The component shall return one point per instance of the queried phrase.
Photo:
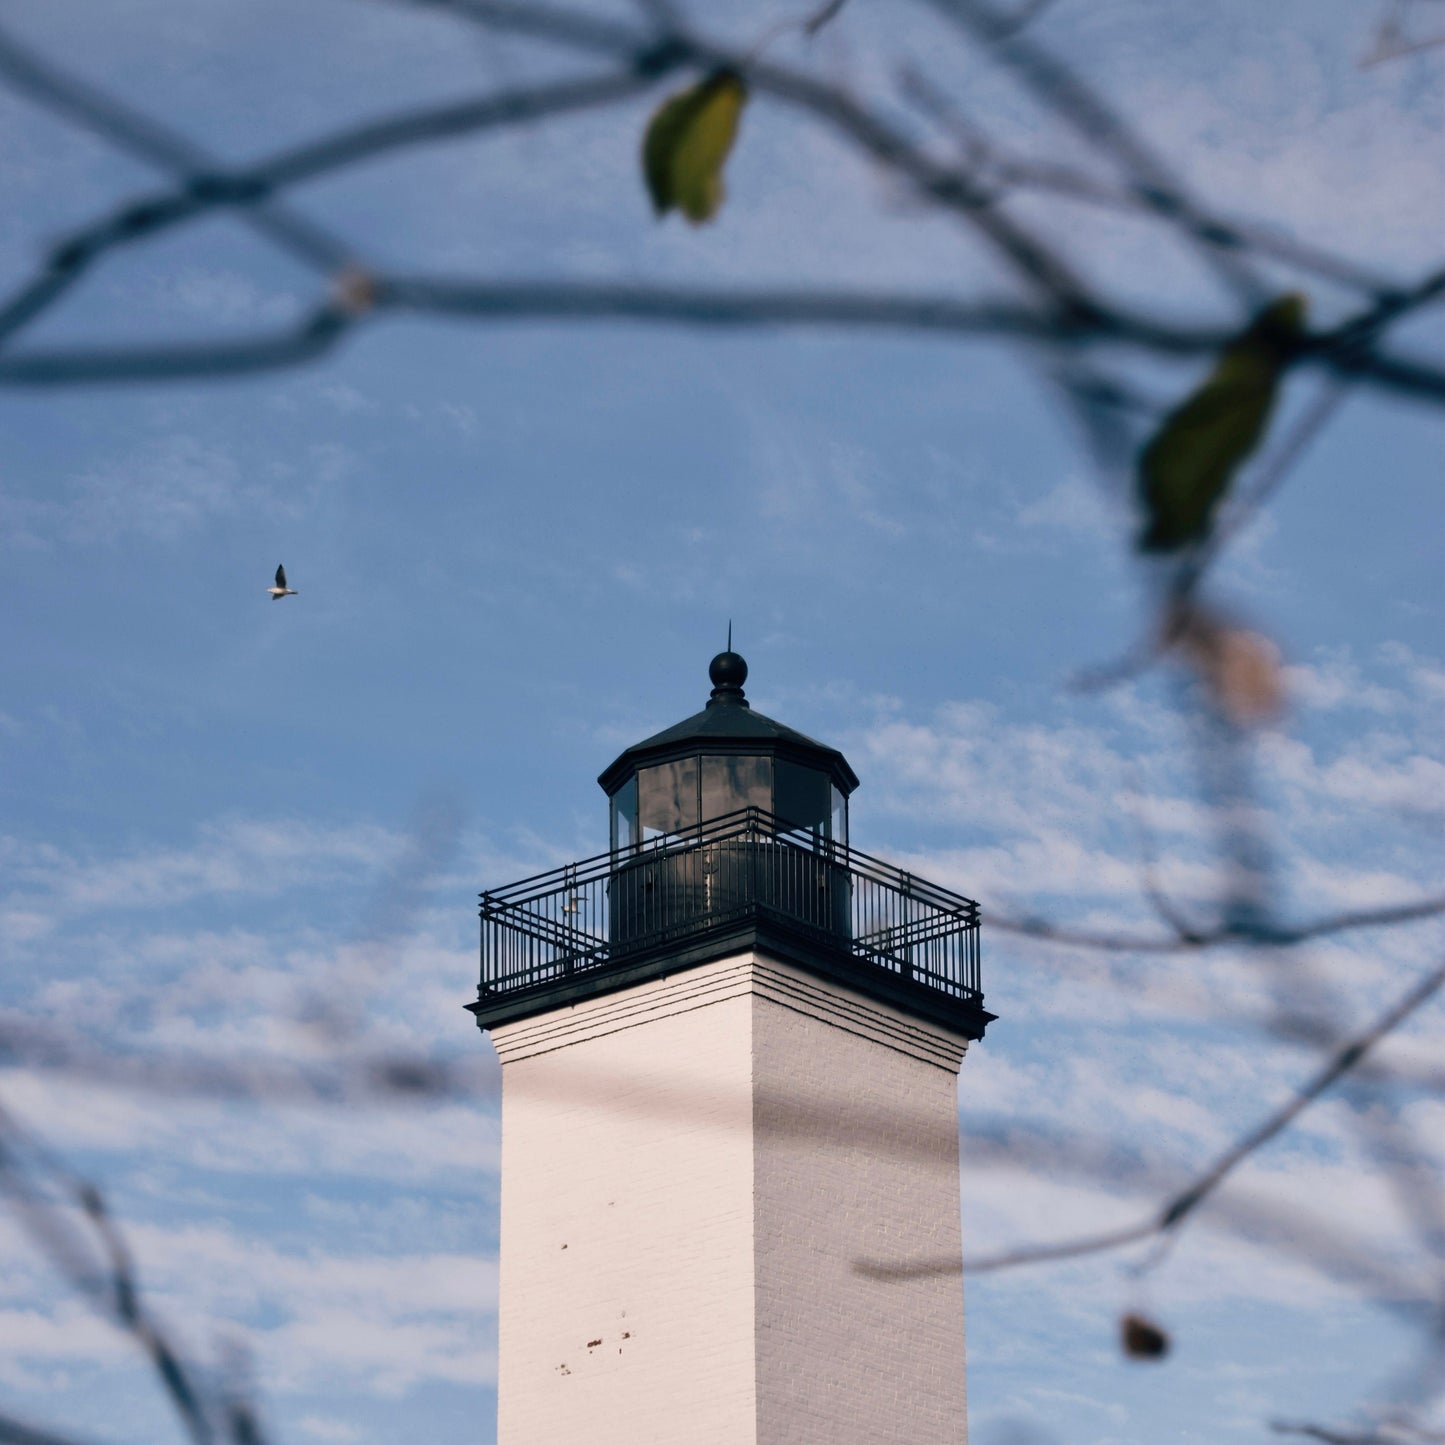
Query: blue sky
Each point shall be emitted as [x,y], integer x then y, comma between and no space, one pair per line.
[516,548]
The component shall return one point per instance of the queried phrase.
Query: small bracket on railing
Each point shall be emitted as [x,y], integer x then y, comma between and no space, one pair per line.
[571,902]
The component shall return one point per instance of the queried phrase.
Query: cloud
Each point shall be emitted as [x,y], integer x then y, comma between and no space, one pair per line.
[304,1227]
[161,493]
[213,295]
[326,1428]
[1163,1056]
[312,1315]
[1075,507]
[237,856]
[1337,682]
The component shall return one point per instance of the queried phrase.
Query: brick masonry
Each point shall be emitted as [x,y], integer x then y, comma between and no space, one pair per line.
[705,1182]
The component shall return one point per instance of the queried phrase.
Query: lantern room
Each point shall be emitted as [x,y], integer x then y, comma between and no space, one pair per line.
[721,761]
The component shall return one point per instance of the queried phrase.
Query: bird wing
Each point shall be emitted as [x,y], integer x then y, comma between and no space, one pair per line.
[280,576]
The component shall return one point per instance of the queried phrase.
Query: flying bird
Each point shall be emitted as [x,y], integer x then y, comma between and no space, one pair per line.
[281,590]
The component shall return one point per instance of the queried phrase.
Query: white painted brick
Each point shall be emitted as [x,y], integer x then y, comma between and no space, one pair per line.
[693,1172]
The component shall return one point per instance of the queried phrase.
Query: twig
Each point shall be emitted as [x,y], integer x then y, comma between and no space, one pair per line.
[1009,172]
[1276,936]
[514,301]
[1172,1215]
[243,189]
[1064,92]
[157,144]
[1398,1435]
[825,14]
[108,1282]
[345,1080]
[14,1432]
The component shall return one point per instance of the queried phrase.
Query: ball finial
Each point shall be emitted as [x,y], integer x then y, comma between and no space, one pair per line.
[728,672]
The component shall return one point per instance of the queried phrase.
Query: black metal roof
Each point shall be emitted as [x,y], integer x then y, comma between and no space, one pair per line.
[728,724]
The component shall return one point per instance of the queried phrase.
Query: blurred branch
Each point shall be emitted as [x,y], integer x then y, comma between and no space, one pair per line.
[1006,172]
[1071,315]
[1175,1211]
[825,14]
[1392,41]
[1023,16]
[158,145]
[13,1432]
[270,1078]
[516,301]
[1273,936]
[1088,115]
[1052,307]
[245,190]
[99,1267]
[1385,1435]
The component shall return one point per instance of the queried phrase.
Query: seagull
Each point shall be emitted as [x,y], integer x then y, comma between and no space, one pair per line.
[281,590]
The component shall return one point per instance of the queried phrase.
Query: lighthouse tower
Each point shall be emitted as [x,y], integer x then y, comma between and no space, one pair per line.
[729,1047]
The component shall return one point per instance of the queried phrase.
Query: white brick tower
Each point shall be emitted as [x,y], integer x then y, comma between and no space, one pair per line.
[729,1126]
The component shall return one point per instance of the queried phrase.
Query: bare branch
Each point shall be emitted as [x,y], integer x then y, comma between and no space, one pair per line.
[1066,322]
[100,1267]
[1178,1209]
[571,29]
[1087,113]
[686,306]
[346,1080]
[1273,937]
[14,1432]
[247,188]
[825,14]
[1011,173]
[1391,40]
[1385,1435]
[1343,1061]
[154,143]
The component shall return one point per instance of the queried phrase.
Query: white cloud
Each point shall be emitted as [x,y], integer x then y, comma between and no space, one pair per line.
[238,856]
[161,493]
[1336,682]
[1073,506]
[393,1321]
[324,1217]
[1162,1059]
[224,296]
[324,1427]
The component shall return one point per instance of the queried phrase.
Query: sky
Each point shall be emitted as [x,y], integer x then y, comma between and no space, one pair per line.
[516,548]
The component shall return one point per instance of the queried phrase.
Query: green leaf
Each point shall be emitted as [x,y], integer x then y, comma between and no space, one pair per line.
[687,144]
[660,143]
[1188,466]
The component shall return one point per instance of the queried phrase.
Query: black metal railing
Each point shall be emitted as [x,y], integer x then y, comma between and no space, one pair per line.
[603,913]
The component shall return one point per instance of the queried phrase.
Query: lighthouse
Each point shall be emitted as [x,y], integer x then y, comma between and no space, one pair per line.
[730,1046]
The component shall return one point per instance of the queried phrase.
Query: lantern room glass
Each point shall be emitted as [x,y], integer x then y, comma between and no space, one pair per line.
[667,798]
[622,808]
[679,795]
[801,797]
[733,782]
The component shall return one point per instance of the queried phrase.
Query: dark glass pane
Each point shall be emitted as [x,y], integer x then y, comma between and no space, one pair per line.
[624,816]
[667,797]
[730,783]
[840,817]
[801,797]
